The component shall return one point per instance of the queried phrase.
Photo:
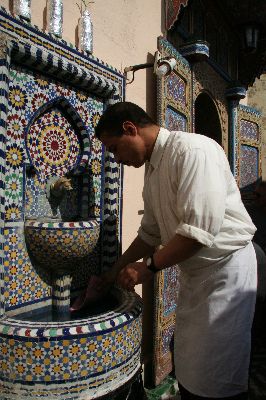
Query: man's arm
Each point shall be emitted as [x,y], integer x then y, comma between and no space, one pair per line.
[178,249]
[137,250]
[98,286]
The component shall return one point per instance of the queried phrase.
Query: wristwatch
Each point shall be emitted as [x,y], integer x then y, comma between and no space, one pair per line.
[150,264]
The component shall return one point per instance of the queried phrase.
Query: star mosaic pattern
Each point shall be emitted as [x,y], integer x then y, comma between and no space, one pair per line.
[170,290]
[176,88]
[22,284]
[58,360]
[63,244]
[249,164]
[89,357]
[249,130]
[53,145]
[174,120]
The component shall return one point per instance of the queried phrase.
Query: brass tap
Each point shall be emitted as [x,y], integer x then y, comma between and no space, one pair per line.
[60,186]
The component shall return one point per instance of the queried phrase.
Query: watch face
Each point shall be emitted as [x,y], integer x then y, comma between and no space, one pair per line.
[149,261]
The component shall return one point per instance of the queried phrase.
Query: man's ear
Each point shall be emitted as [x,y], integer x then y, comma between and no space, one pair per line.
[129,128]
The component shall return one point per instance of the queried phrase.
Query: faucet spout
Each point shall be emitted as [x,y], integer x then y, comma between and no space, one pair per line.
[57,186]
[60,186]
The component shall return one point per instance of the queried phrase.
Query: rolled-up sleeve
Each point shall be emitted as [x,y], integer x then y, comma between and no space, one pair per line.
[200,196]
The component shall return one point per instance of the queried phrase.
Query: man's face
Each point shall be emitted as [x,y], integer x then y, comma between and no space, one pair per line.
[128,149]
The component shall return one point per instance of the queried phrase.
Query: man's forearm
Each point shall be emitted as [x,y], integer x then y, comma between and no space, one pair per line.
[178,249]
[137,250]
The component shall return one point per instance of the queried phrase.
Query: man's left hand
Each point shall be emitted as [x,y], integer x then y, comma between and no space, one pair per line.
[134,274]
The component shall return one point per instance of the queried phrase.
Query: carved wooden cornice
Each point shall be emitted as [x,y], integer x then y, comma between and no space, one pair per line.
[172,11]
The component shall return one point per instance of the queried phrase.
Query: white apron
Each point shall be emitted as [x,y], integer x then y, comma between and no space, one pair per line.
[213,325]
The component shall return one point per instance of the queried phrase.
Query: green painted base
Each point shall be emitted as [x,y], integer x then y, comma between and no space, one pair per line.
[168,389]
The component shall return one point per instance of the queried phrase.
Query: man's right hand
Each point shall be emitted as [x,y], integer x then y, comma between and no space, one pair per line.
[97,288]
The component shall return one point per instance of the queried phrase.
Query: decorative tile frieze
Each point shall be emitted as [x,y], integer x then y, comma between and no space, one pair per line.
[249,166]
[174,91]
[174,112]
[175,121]
[248,130]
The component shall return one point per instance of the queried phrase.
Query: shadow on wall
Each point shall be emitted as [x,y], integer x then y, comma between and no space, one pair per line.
[247,193]
[211,126]
[163,17]
[151,90]
[45,18]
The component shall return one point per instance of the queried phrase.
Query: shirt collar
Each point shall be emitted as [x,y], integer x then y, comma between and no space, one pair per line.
[159,147]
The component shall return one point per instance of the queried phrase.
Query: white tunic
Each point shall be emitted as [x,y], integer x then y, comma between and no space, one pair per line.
[189,190]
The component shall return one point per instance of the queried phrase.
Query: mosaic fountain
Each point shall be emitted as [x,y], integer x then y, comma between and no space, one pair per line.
[60,223]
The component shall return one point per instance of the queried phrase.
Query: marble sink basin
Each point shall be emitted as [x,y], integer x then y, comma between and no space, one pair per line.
[55,244]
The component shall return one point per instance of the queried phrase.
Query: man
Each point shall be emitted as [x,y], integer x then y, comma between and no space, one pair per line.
[192,207]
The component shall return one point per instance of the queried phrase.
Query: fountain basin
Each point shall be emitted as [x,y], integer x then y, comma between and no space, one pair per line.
[79,359]
[62,243]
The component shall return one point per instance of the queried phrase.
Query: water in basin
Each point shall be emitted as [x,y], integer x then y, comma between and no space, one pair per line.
[45,315]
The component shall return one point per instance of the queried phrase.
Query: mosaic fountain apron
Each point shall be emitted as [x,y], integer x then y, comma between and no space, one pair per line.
[60,222]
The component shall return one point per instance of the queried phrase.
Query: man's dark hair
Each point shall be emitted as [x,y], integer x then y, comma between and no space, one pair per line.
[111,122]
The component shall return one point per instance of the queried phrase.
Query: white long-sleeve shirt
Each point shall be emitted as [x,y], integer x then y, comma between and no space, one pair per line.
[189,190]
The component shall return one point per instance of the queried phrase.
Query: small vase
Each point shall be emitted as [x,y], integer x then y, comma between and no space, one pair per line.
[55,17]
[22,9]
[85,30]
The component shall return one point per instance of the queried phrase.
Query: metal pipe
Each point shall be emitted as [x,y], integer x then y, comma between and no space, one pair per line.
[138,66]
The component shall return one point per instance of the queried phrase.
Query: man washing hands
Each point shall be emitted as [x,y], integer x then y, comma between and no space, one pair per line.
[193,208]
[126,272]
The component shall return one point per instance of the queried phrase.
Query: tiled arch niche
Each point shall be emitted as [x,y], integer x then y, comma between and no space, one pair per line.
[58,144]
[57,141]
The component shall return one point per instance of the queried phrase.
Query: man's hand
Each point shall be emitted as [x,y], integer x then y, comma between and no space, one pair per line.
[97,288]
[134,274]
